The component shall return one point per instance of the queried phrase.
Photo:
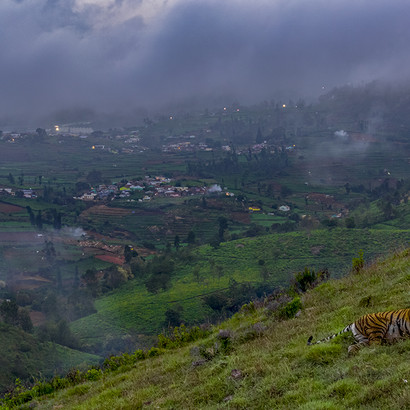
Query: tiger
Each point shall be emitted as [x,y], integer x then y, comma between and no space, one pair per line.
[375,328]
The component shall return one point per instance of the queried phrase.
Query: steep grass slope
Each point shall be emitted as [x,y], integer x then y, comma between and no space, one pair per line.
[259,361]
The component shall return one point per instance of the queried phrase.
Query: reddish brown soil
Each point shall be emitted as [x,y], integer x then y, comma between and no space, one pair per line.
[241,217]
[9,208]
[106,210]
[38,318]
[110,258]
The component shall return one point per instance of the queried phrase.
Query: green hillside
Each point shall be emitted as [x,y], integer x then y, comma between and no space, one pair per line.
[256,360]
[24,356]
[133,309]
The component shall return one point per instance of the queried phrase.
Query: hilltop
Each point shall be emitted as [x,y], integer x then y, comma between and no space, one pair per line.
[259,359]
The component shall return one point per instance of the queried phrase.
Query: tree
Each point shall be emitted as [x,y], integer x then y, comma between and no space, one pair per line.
[223,225]
[11,178]
[94,177]
[176,242]
[41,132]
[350,223]
[127,254]
[215,243]
[57,220]
[91,280]
[158,281]
[191,238]
[114,277]
[39,220]
[216,301]
[387,209]
[81,187]
[24,320]
[9,311]
[173,316]
[31,215]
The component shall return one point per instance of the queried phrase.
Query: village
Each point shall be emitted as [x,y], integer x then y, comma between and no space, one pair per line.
[141,190]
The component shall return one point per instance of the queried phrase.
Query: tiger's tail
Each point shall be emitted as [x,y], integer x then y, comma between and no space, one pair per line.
[346,329]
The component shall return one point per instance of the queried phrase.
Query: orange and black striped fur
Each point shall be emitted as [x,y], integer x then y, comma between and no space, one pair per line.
[375,328]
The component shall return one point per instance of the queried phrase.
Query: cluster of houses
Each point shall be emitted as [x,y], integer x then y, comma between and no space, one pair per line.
[185,146]
[11,137]
[146,189]
[26,193]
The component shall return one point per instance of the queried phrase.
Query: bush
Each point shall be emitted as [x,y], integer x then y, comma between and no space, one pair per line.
[358,263]
[225,338]
[179,336]
[93,374]
[309,279]
[153,352]
[304,280]
[290,309]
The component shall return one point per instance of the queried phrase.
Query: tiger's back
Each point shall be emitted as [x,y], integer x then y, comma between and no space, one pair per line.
[375,328]
[384,326]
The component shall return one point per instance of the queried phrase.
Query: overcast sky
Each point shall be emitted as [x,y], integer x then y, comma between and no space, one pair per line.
[113,55]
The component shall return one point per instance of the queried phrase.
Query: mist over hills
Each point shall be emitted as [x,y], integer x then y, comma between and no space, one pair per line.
[118,57]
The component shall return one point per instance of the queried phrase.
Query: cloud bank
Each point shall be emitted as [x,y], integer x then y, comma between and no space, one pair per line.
[117,55]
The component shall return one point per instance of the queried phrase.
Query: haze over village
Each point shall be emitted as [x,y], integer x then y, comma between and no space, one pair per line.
[204,204]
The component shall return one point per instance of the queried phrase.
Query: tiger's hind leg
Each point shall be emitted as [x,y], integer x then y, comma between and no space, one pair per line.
[353,349]
[361,340]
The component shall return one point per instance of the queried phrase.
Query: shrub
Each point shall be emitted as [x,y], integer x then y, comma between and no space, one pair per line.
[309,279]
[74,376]
[93,374]
[304,280]
[358,263]
[153,352]
[248,308]
[139,354]
[180,335]
[225,338]
[290,309]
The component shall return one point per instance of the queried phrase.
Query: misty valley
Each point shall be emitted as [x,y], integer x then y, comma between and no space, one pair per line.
[112,236]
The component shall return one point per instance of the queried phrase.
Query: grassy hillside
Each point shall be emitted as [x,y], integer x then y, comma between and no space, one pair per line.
[259,361]
[24,356]
[133,309]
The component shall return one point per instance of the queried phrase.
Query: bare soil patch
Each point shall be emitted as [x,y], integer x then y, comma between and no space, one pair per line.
[9,208]
[38,318]
[110,258]
[27,282]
